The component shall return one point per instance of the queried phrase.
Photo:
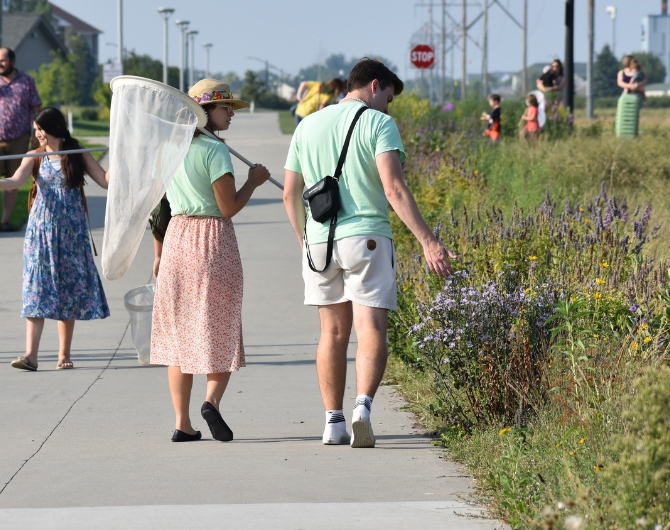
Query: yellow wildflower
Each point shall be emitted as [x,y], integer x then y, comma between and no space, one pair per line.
[581,209]
[572,453]
[647,339]
[527,290]
[604,264]
[532,258]
[572,299]
[582,440]
[600,281]
[644,325]
[587,220]
[634,345]
[597,296]
[598,467]
[505,430]
[609,351]
[559,444]
[595,335]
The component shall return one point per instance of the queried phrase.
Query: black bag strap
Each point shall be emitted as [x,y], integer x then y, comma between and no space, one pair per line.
[336,176]
[345,148]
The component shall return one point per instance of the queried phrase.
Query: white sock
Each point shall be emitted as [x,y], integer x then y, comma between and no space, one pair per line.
[363,400]
[335,416]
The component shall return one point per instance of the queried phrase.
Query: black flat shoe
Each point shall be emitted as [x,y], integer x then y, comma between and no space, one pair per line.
[181,436]
[220,431]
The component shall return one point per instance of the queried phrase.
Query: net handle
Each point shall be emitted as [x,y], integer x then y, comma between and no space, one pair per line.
[240,157]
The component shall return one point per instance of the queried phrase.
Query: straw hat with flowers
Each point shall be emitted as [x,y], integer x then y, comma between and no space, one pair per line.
[211,91]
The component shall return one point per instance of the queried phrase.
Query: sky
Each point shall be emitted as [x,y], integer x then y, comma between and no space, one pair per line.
[291,34]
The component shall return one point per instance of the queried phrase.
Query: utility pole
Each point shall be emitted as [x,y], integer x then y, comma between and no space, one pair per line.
[485,52]
[524,52]
[589,60]
[192,33]
[207,47]
[183,24]
[569,55]
[444,52]
[166,12]
[464,60]
[119,5]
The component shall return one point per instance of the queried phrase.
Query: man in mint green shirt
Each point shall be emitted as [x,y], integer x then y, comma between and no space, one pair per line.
[358,286]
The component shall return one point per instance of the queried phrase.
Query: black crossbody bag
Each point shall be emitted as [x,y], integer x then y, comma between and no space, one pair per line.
[324,198]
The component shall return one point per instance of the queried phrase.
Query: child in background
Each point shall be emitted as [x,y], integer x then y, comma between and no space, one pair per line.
[493,119]
[532,126]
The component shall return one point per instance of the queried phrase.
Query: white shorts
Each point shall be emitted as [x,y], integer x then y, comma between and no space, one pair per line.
[362,270]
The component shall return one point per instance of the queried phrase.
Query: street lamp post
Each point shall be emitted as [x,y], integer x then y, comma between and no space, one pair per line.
[207,47]
[183,24]
[191,61]
[165,12]
[119,30]
[611,11]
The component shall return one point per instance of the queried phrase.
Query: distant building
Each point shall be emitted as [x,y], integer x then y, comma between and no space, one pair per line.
[32,38]
[285,91]
[68,23]
[656,38]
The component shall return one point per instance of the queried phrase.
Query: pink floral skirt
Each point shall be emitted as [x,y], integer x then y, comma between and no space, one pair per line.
[197,320]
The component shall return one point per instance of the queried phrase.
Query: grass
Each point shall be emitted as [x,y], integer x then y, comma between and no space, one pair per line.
[20,213]
[286,122]
[90,128]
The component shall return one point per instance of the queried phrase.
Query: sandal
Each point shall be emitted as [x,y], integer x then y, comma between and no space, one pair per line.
[65,365]
[23,363]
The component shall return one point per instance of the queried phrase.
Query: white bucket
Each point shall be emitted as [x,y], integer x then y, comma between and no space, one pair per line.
[140,304]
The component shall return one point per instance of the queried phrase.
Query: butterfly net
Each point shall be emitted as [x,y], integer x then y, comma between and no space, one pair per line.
[151,128]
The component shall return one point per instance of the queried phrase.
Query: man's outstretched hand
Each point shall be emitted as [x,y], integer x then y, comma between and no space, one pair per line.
[437,256]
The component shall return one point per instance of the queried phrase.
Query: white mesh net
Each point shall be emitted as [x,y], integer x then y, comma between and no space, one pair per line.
[151,129]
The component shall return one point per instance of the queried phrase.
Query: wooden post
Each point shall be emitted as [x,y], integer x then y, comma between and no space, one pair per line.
[569,55]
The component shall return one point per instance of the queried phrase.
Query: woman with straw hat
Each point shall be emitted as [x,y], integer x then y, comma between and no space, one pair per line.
[197,320]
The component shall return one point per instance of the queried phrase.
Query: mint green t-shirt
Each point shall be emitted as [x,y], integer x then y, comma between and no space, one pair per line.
[191,192]
[315,149]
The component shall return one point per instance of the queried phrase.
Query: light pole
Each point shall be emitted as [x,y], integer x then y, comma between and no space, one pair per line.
[611,11]
[191,62]
[166,12]
[119,39]
[207,47]
[183,24]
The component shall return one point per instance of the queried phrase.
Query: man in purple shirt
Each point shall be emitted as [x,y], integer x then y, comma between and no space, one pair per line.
[19,102]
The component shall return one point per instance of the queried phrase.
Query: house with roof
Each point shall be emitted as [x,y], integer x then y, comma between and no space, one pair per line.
[32,38]
[68,23]
[35,40]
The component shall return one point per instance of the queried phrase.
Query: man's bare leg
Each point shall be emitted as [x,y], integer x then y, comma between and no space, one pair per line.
[331,367]
[331,354]
[371,325]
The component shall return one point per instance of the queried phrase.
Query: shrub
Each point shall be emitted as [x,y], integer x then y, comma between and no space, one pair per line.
[89,114]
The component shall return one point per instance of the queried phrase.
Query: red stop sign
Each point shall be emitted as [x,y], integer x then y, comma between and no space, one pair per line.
[422,56]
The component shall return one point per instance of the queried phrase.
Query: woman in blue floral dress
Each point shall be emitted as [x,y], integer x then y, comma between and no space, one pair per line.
[60,280]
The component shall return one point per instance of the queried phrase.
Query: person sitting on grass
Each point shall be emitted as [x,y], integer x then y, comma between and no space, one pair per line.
[493,119]
[531,129]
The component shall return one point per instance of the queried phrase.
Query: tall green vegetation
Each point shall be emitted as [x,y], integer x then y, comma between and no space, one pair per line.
[543,362]
[606,69]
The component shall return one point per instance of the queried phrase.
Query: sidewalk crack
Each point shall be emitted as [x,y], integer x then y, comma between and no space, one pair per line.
[118,347]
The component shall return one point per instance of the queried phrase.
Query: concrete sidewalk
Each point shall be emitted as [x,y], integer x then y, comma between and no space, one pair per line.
[90,447]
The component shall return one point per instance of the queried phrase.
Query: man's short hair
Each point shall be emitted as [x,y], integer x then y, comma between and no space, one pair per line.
[10,53]
[495,97]
[367,70]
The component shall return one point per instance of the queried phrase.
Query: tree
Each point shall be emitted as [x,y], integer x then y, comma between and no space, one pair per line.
[336,65]
[652,66]
[57,82]
[606,69]
[82,61]
[253,86]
